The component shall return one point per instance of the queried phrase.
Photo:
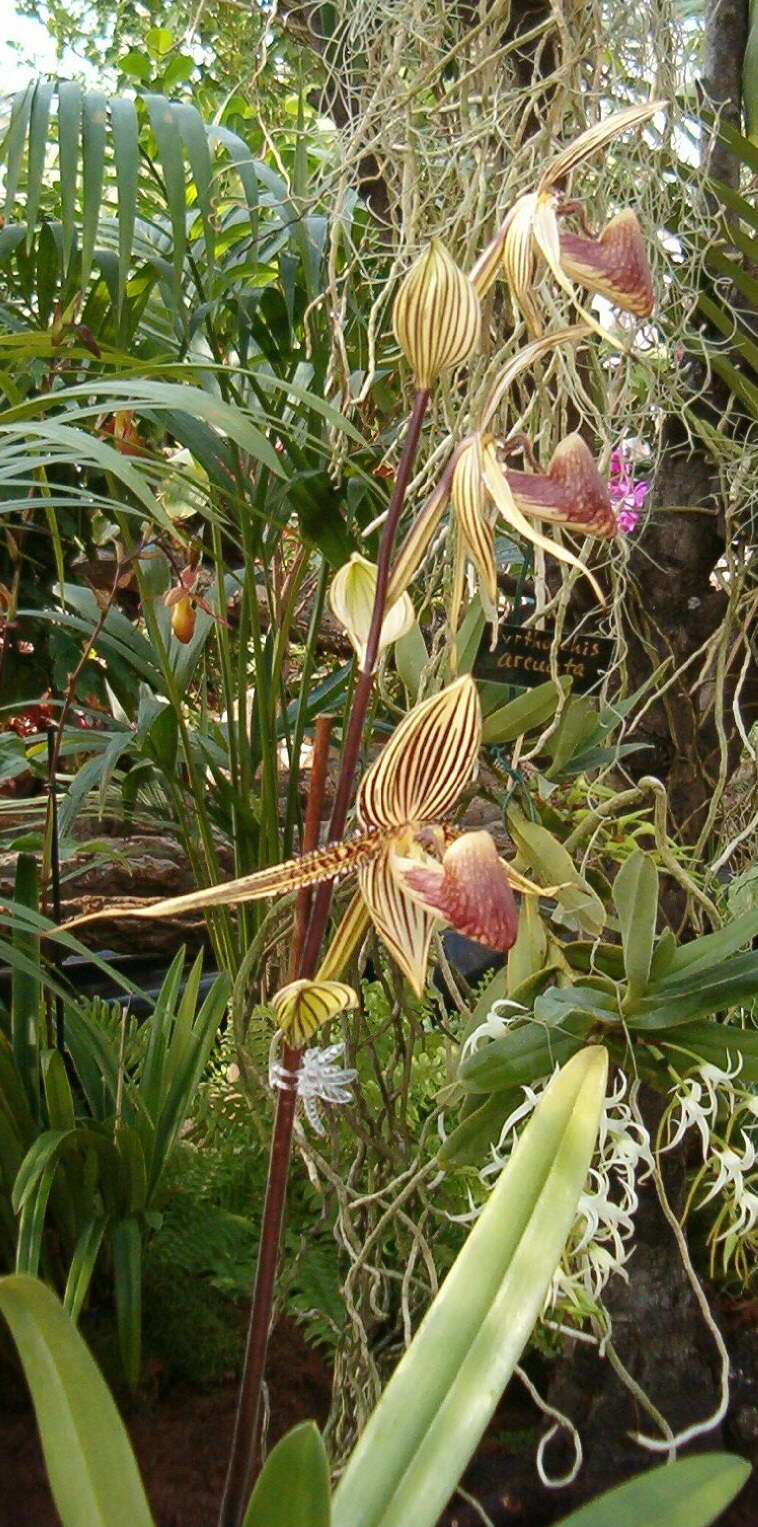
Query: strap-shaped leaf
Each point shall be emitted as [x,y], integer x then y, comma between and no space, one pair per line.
[95,116]
[691,1492]
[194,137]
[90,1464]
[170,153]
[292,1489]
[69,133]
[126,1245]
[15,141]
[125,130]
[635,896]
[427,762]
[445,1388]
[38,130]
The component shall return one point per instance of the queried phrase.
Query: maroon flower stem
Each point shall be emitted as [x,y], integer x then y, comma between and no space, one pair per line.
[244,1450]
[362,693]
[242,1462]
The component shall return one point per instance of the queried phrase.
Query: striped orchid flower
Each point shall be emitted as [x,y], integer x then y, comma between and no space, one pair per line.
[413,869]
[614,264]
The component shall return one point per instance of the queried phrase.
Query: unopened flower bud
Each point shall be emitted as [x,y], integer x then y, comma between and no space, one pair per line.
[183,617]
[436,317]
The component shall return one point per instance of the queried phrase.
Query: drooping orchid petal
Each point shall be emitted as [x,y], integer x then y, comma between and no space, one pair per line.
[472,508]
[427,762]
[302,1007]
[502,494]
[469,889]
[615,264]
[436,317]
[402,805]
[403,925]
[570,493]
[352,597]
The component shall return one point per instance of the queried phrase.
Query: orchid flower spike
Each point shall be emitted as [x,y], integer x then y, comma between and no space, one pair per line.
[614,264]
[413,869]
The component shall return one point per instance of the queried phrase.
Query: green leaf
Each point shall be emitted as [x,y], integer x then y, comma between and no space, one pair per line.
[126,1243]
[170,154]
[677,998]
[552,865]
[125,131]
[95,116]
[293,1487]
[26,987]
[691,1492]
[38,128]
[635,896]
[82,1266]
[411,658]
[443,1393]
[720,1043]
[716,946]
[522,1055]
[530,710]
[87,1452]
[469,1143]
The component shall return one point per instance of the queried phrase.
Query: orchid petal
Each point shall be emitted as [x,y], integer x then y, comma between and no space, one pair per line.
[416,543]
[571,492]
[304,1006]
[596,137]
[470,504]
[405,927]
[503,496]
[352,596]
[323,864]
[523,360]
[469,889]
[615,264]
[548,240]
[519,263]
[427,762]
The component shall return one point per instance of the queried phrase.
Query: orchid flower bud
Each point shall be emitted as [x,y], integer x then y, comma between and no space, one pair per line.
[436,318]
[352,600]
[183,617]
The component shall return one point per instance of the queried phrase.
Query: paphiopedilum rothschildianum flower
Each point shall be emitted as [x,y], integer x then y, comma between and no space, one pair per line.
[413,869]
[614,265]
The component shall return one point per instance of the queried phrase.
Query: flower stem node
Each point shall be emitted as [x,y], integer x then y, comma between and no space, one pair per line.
[436,317]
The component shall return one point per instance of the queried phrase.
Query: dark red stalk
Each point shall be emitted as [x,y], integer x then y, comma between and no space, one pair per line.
[242,1462]
[244,1450]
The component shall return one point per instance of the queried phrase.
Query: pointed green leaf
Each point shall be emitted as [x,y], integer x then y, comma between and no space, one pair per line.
[126,1245]
[441,1396]
[95,116]
[69,130]
[170,154]
[532,709]
[635,896]
[38,142]
[87,1451]
[125,130]
[293,1487]
[14,142]
[691,1492]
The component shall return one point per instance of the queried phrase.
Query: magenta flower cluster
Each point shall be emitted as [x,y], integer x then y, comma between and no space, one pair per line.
[627,496]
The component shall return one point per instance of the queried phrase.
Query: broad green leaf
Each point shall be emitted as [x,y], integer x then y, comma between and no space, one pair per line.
[690,1492]
[635,896]
[469,1143]
[552,865]
[720,1043]
[677,998]
[194,136]
[530,710]
[443,1393]
[292,1489]
[411,658]
[58,1096]
[529,952]
[713,947]
[87,1452]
